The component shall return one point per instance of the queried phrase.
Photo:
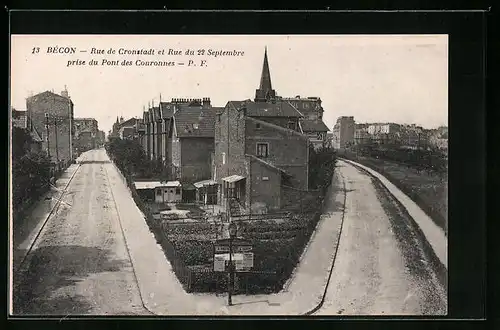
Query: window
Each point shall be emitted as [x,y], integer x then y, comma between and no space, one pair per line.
[223,158]
[178,191]
[158,192]
[291,125]
[262,150]
[257,126]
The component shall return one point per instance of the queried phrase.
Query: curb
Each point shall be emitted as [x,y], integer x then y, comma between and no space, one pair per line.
[325,290]
[52,211]
[313,234]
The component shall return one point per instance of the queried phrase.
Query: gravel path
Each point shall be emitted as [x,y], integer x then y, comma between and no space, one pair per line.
[79,264]
[382,266]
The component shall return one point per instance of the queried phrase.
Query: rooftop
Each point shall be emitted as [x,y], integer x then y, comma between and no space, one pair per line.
[195,121]
[313,125]
[276,108]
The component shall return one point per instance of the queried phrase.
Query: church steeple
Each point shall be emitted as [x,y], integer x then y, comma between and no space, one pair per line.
[265,91]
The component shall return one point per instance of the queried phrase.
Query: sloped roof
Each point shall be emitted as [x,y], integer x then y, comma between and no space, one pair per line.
[279,128]
[129,122]
[278,108]
[263,162]
[48,93]
[195,122]
[313,125]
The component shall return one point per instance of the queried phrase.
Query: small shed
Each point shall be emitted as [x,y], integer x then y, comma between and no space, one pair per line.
[169,192]
[206,192]
[146,189]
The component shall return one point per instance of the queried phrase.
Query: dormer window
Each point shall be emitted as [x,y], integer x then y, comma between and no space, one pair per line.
[257,126]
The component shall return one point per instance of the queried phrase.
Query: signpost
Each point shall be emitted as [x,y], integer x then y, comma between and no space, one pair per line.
[230,255]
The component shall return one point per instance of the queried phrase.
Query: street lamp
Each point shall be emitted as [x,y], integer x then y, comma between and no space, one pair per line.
[232,234]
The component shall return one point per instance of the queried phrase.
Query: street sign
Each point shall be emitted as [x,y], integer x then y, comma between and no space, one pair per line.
[219,263]
[221,249]
[242,255]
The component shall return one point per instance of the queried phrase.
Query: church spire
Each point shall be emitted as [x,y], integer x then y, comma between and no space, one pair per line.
[265,91]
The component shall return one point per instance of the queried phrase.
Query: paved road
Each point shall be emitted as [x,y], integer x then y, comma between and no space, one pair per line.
[79,264]
[382,264]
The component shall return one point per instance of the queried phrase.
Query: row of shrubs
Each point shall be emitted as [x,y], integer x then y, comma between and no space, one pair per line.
[426,206]
[31,172]
[420,159]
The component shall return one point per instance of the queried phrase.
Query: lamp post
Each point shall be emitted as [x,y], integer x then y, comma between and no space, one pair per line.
[232,234]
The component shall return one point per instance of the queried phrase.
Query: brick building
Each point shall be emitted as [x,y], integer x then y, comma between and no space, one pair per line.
[158,122]
[191,143]
[259,149]
[256,156]
[51,115]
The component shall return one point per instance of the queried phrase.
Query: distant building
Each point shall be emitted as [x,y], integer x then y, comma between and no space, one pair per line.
[343,132]
[101,138]
[86,125]
[51,115]
[361,135]
[129,129]
[438,138]
[384,133]
[86,130]
[19,118]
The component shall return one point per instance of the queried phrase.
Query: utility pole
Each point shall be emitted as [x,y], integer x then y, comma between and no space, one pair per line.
[57,149]
[47,132]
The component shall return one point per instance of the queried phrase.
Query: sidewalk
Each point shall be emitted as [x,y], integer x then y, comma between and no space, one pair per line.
[163,294]
[434,235]
[29,227]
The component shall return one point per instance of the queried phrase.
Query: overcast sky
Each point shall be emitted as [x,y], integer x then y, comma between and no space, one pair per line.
[401,79]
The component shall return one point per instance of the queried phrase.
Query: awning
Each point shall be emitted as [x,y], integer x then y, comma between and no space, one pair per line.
[205,183]
[233,178]
[170,184]
[139,185]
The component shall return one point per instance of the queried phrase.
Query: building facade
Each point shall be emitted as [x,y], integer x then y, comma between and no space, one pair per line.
[254,158]
[343,132]
[86,130]
[51,115]
[191,143]
[158,122]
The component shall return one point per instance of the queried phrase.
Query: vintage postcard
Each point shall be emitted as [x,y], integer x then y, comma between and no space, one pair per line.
[229,175]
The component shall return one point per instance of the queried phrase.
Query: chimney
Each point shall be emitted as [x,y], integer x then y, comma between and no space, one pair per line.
[64,93]
[206,102]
